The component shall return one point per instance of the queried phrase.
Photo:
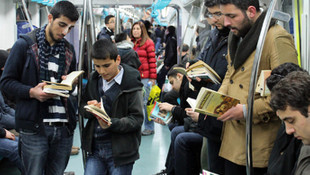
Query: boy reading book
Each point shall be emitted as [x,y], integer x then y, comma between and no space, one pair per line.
[119,89]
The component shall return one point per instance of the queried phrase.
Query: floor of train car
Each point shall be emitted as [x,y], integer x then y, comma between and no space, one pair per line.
[153,151]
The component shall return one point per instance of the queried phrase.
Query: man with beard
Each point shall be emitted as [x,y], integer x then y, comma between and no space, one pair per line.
[245,20]
[45,121]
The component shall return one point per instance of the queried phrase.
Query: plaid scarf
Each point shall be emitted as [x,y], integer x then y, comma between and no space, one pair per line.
[46,52]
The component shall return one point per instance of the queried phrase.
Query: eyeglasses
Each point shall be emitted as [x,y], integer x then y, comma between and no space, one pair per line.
[216,15]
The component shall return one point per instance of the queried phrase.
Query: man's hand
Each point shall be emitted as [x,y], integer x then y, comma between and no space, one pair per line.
[160,121]
[234,113]
[165,107]
[194,115]
[37,93]
[75,82]
[95,103]
[103,124]
[153,82]
[9,135]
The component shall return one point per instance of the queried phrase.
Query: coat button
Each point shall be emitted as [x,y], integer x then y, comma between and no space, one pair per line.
[241,86]
[242,68]
[231,81]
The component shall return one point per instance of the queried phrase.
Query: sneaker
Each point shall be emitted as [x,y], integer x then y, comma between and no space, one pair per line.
[147,132]
[162,172]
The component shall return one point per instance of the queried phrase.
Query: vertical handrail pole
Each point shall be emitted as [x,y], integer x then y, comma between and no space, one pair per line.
[27,14]
[80,66]
[258,54]
[92,23]
[185,31]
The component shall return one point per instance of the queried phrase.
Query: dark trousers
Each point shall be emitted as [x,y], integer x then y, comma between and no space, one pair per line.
[234,169]
[216,163]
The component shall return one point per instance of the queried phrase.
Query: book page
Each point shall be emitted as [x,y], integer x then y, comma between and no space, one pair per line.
[71,77]
[192,102]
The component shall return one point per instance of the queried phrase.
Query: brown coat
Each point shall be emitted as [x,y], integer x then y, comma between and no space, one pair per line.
[279,48]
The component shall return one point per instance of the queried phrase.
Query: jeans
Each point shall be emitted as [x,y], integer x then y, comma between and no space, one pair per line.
[101,162]
[187,146]
[7,121]
[157,44]
[9,149]
[46,154]
[148,125]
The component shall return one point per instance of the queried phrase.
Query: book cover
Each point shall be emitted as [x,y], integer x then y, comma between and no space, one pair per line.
[64,84]
[212,103]
[202,70]
[261,87]
[99,113]
[163,115]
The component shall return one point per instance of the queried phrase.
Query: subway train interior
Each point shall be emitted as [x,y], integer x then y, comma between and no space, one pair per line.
[190,21]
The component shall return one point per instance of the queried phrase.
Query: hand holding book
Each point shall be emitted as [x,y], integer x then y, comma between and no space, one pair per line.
[98,111]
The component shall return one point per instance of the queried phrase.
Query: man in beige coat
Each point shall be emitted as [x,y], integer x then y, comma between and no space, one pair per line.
[245,19]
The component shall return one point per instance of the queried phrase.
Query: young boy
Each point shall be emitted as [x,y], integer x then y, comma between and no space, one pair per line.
[113,148]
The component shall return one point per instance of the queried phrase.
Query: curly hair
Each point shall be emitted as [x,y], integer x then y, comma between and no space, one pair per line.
[280,72]
[293,90]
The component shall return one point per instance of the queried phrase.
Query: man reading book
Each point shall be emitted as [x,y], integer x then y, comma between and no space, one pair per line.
[245,20]
[43,54]
[112,147]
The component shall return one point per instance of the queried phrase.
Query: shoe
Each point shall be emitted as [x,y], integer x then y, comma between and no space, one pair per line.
[75,147]
[147,132]
[74,151]
[69,173]
[162,172]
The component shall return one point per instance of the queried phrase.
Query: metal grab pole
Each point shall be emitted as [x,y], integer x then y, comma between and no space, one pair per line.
[258,54]
[27,14]
[91,20]
[81,61]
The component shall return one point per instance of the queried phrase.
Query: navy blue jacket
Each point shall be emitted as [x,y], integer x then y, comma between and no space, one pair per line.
[214,54]
[21,74]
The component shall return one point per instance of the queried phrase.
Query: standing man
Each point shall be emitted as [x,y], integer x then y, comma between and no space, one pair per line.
[46,122]
[245,20]
[290,98]
[107,31]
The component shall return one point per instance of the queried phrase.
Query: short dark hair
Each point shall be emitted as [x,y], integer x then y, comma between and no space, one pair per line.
[185,48]
[173,72]
[104,49]
[211,3]
[21,13]
[280,72]
[107,19]
[293,90]
[120,37]
[65,8]
[242,4]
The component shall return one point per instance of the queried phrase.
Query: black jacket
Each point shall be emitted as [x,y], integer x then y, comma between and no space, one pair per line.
[126,116]
[214,54]
[22,73]
[171,52]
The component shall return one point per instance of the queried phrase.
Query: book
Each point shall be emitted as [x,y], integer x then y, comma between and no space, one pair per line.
[99,113]
[202,70]
[163,115]
[261,87]
[62,88]
[212,103]
[64,84]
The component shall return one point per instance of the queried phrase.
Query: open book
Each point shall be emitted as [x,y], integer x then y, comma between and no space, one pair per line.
[62,88]
[202,70]
[99,113]
[163,115]
[212,103]
[261,83]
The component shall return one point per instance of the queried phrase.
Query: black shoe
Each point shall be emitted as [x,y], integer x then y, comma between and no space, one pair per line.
[147,132]
[162,172]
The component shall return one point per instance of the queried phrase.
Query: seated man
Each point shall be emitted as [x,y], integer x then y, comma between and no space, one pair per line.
[290,98]
[9,148]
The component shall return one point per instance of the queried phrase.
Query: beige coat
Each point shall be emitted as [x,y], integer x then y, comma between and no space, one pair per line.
[279,48]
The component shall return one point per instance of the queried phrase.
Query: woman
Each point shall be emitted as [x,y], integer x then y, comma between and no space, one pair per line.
[144,46]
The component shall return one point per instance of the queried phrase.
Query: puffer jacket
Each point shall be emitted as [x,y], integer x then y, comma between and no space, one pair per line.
[146,54]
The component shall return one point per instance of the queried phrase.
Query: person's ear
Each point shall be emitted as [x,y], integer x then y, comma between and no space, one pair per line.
[50,18]
[251,12]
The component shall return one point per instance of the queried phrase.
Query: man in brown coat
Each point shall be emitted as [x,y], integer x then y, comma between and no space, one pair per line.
[245,19]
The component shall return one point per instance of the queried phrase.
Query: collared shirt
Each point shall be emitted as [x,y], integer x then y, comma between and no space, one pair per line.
[117,79]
